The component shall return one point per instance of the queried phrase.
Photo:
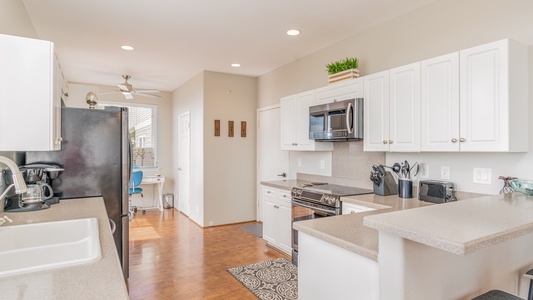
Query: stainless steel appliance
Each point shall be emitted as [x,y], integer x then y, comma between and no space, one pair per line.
[96,158]
[435,191]
[337,121]
[318,201]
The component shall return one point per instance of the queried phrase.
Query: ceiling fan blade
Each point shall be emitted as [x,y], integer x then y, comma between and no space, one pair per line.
[123,88]
[147,91]
[108,93]
[127,95]
[147,95]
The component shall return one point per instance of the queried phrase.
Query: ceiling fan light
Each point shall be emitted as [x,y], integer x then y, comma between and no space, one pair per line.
[236,65]
[126,47]
[293,32]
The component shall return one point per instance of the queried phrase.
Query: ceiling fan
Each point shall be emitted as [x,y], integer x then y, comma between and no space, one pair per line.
[127,90]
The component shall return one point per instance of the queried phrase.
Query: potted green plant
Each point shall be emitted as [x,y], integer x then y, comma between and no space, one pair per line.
[343,69]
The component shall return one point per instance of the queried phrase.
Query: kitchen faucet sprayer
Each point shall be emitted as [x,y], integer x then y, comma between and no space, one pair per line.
[18,180]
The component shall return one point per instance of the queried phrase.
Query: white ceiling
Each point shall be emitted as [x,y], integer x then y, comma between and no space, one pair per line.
[175,40]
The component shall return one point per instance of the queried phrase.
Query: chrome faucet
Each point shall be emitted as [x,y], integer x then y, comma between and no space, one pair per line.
[18,180]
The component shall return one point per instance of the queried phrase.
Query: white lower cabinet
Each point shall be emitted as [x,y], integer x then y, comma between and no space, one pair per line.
[277,218]
[351,208]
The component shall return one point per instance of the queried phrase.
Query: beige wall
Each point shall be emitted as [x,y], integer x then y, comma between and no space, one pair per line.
[14,19]
[438,28]
[229,162]
[222,168]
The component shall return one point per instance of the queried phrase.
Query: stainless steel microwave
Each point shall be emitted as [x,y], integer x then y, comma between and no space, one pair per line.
[337,121]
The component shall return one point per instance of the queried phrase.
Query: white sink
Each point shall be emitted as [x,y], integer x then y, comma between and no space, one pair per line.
[43,246]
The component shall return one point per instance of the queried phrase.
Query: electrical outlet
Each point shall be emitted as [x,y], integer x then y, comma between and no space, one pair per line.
[424,171]
[322,164]
[299,162]
[444,172]
[482,175]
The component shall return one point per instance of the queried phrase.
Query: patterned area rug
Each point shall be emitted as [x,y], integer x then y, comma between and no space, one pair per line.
[269,280]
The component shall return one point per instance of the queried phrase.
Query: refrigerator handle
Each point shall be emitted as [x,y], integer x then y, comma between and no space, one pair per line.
[130,158]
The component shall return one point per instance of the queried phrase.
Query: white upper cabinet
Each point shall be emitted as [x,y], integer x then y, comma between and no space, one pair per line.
[376,112]
[295,124]
[342,90]
[392,110]
[404,127]
[30,101]
[474,100]
[440,103]
[494,97]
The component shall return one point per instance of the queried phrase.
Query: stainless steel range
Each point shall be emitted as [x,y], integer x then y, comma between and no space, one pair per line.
[318,200]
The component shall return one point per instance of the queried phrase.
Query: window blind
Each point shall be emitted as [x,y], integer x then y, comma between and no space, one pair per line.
[142,124]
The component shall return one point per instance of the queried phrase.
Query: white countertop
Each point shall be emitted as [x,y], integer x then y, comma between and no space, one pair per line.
[464,226]
[98,280]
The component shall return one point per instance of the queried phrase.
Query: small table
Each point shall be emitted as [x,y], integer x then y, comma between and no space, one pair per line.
[159,180]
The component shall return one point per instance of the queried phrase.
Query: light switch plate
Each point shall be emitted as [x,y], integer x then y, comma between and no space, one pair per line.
[482,175]
[444,172]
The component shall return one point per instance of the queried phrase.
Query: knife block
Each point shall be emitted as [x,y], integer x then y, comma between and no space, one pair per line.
[387,187]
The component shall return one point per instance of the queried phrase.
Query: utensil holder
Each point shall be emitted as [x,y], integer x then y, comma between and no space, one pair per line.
[405,188]
[387,186]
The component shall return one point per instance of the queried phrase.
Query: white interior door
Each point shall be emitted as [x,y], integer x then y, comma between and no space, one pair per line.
[184,161]
[271,160]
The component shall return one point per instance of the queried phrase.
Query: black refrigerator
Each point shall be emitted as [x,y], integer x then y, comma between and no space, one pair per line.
[96,155]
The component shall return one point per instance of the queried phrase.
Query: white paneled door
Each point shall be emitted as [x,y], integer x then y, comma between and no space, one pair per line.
[184,161]
[272,162]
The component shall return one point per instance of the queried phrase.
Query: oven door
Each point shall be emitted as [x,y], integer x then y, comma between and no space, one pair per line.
[303,210]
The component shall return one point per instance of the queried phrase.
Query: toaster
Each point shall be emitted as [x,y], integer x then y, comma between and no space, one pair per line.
[435,191]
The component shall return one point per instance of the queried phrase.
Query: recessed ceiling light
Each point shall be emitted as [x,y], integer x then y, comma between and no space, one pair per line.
[293,32]
[126,47]
[235,65]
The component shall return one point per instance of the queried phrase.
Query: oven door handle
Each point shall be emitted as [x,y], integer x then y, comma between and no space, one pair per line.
[326,212]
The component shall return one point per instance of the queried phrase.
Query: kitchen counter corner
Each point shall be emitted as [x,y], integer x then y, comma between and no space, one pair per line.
[461,227]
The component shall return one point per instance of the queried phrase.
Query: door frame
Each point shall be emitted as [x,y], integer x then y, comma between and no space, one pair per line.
[259,208]
[179,177]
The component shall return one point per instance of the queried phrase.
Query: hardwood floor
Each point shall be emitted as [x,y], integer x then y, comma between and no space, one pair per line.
[173,258]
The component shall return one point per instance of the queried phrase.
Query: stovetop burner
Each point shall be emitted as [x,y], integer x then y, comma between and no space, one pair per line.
[337,190]
[326,194]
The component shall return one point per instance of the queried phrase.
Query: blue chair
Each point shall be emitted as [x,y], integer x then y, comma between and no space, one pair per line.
[136,179]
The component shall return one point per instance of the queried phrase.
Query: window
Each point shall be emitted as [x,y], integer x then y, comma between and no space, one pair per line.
[142,123]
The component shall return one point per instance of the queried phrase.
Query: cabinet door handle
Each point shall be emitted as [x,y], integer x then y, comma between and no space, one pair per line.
[390,141]
[268,192]
[462,140]
[454,140]
[283,175]
[284,196]
[385,142]
[276,206]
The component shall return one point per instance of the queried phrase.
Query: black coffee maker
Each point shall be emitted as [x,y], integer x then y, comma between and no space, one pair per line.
[38,178]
